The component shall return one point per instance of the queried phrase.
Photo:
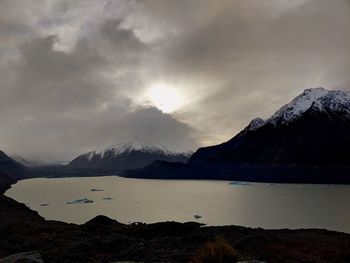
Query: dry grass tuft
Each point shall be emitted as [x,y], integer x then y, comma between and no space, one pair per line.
[217,251]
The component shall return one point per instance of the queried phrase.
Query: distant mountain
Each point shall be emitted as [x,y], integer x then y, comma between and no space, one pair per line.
[307,140]
[26,162]
[121,157]
[10,171]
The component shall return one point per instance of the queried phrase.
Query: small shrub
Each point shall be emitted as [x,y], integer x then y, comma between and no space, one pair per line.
[217,251]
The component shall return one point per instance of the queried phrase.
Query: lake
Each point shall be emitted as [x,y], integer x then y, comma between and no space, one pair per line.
[272,206]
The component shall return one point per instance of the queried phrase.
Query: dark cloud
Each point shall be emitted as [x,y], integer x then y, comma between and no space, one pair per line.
[74,74]
[59,104]
[253,56]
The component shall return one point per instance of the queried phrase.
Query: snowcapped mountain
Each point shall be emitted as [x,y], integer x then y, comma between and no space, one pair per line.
[313,129]
[317,99]
[305,141]
[128,148]
[131,155]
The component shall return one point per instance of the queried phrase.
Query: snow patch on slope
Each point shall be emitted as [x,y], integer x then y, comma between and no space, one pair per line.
[131,146]
[318,98]
[255,124]
[298,106]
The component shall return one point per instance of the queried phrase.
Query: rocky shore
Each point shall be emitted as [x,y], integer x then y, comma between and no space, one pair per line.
[105,240]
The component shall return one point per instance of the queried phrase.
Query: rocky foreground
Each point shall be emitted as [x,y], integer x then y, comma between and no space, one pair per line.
[105,240]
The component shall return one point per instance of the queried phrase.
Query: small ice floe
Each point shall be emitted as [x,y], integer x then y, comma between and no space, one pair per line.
[197,217]
[80,201]
[107,198]
[96,190]
[239,183]
[44,204]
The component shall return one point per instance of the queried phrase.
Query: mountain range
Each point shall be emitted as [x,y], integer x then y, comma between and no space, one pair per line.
[306,140]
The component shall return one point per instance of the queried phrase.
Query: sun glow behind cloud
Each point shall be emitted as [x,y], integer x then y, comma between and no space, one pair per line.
[165,97]
[211,68]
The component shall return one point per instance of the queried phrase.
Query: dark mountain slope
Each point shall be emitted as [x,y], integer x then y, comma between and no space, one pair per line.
[10,171]
[315,139]
[307,140]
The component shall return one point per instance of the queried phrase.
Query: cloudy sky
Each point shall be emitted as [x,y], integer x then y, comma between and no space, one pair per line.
[80,75]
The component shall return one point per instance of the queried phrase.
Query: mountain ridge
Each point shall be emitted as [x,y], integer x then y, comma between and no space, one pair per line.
[306,138]
[317,98]
[304,116]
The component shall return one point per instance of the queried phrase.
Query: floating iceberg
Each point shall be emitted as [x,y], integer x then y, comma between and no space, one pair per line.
[80,201]
[96,190]
[239,183]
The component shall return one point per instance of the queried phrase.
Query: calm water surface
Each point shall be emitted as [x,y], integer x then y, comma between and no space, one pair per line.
[217,202]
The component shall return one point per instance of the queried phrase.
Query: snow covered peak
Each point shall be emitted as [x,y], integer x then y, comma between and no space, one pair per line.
[255,124]
[131,155]
[317,98]
[122,147]
[125,148]
[298,106]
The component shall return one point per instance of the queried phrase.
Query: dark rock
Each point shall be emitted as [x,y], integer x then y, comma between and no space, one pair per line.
[26,257]
[102,220]
[105,240]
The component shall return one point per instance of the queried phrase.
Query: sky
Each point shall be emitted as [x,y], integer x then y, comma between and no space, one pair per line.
[82,75]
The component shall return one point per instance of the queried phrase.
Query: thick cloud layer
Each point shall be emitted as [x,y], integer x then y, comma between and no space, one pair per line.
[75,74]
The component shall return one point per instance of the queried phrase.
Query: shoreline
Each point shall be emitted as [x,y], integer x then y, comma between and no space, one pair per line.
[105,240]
[235,212]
